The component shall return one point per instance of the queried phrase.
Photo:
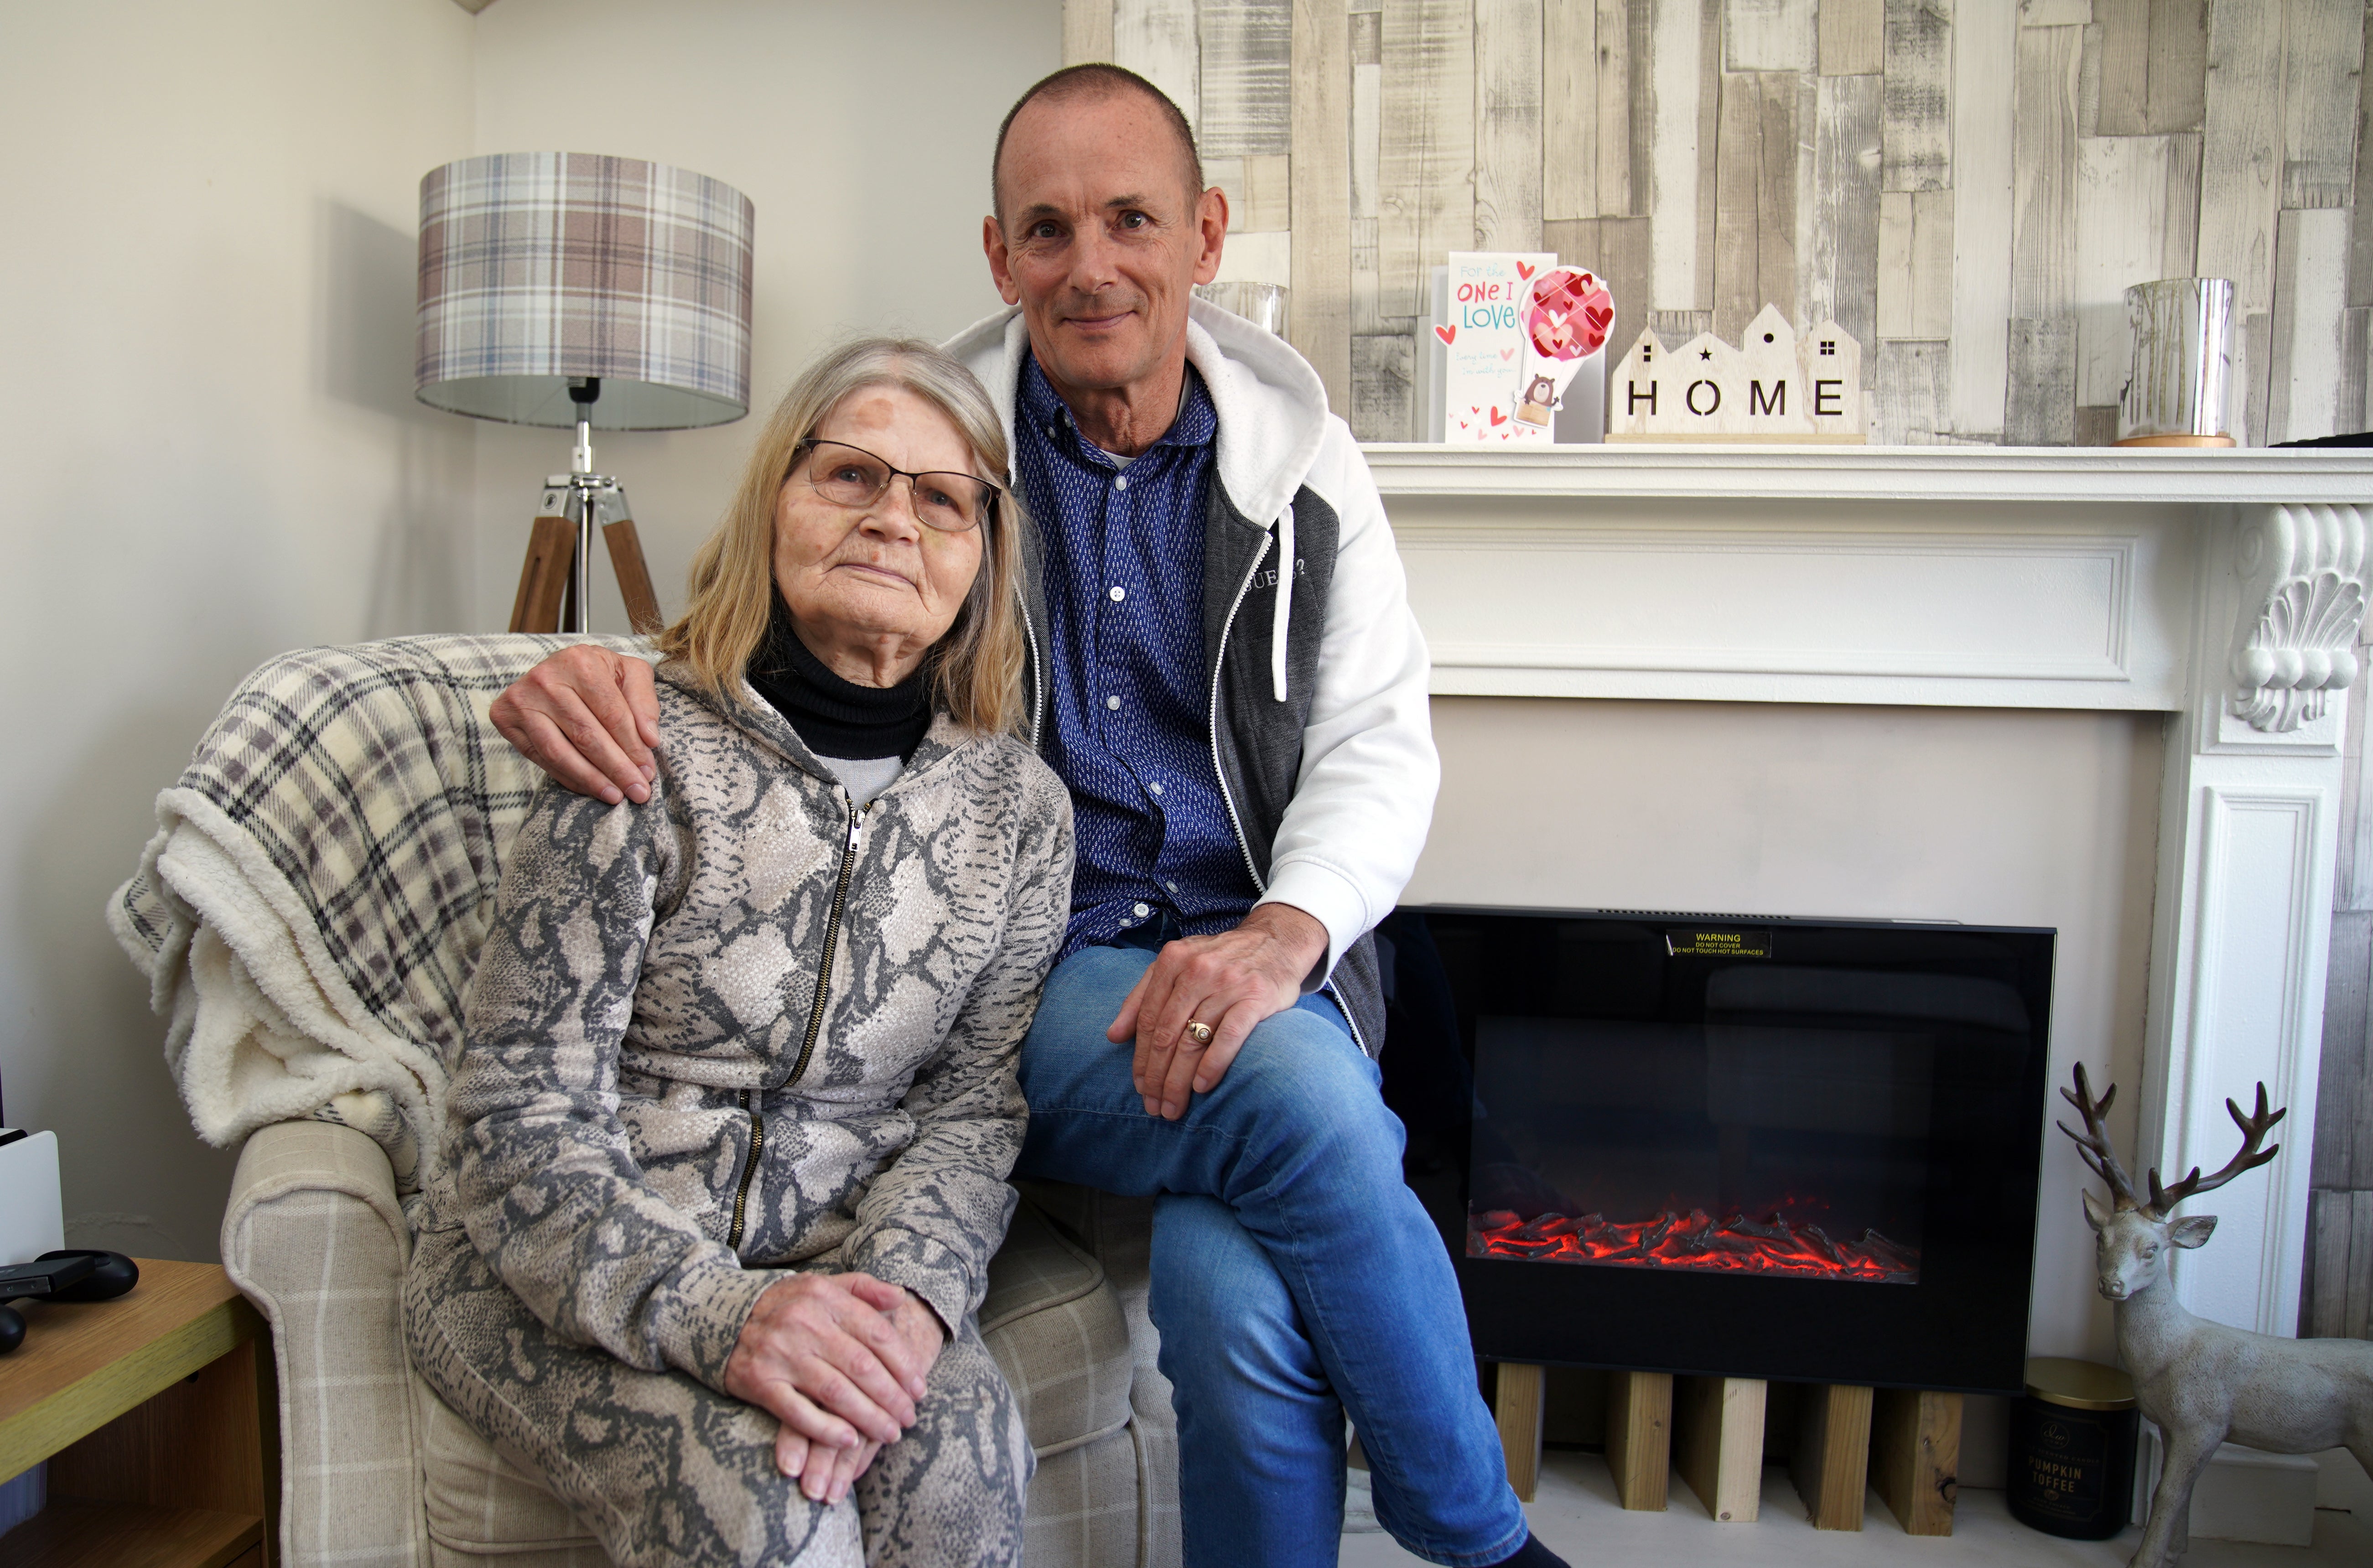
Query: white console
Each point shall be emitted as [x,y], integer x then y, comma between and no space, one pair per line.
[33,1216]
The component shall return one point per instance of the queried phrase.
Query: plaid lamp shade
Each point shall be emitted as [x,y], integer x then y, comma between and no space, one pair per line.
[539,268]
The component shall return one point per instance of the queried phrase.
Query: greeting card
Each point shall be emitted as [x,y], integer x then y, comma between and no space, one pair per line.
[1486,373]
[1513,333]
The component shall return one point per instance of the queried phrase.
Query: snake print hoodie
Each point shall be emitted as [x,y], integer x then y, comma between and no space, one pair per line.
[746,1027]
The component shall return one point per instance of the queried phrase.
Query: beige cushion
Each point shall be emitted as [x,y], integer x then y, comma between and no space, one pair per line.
[1055,1328]
[1058,1334]
[1084,1510]
[481,1503]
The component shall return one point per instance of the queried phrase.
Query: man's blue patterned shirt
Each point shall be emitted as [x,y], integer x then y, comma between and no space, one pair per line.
[1127,723]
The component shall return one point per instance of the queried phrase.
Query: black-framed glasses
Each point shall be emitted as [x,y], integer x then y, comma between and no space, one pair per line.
[852,476]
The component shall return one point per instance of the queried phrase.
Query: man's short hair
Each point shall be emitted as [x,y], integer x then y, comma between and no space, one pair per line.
[1097,80]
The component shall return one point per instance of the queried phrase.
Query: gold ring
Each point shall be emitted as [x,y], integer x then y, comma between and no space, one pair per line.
[1199,1032]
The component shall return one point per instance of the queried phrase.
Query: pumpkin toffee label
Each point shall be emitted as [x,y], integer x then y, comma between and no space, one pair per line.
[2065,1469]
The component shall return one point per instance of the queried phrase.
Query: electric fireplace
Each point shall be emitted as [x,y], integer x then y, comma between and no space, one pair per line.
[1750,1147]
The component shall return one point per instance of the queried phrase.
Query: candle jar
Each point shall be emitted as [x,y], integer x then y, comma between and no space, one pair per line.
[2176,394]
[2072,1449]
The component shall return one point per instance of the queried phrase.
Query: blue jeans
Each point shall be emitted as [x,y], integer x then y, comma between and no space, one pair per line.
[1295,1277]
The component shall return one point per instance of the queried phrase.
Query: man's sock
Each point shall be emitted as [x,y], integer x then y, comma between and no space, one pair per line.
[1532,1554]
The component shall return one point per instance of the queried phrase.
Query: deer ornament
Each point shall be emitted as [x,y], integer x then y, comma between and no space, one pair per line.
[2202,1382]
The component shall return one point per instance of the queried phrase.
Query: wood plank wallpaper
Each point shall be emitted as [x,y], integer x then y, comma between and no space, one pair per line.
[1965,185]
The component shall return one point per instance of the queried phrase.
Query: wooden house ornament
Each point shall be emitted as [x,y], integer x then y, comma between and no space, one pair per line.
[1776,385]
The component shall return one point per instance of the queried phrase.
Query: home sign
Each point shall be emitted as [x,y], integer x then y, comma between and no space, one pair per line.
[1777,385]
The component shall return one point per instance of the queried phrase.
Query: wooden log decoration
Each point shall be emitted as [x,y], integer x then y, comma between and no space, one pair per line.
[1639,1437]
[1519,1412]
[1831,1463]
[1779,385]
[1915,1458]
[1718,1444]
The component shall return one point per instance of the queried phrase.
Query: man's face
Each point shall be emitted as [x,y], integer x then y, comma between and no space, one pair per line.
[1104,237]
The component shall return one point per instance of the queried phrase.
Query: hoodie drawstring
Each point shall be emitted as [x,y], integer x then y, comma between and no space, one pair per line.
[1284,601]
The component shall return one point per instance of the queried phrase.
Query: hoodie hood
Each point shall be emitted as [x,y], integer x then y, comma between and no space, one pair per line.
[1272,407]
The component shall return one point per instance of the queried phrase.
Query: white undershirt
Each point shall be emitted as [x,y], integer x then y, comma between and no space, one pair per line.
[864,778]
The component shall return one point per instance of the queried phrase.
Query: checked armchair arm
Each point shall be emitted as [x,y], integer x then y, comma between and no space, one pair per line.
[314,1236]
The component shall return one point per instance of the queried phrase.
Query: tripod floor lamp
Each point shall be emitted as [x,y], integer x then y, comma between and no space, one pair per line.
[573,290]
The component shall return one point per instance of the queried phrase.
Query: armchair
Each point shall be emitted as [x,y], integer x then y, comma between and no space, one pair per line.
[308,915]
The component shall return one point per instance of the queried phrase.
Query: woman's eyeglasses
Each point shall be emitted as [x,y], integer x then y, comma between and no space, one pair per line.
[852,476]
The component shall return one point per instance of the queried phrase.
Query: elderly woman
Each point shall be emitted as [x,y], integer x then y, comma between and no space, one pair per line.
[727,1144]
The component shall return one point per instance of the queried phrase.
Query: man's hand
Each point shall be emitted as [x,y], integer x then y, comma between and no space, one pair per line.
[588,717]
[1229,982]
[839,1360]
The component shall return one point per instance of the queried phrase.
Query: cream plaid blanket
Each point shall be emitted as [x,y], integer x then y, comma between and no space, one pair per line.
[310,908]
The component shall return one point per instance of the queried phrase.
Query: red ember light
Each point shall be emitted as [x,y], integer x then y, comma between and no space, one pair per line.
[1737,1245]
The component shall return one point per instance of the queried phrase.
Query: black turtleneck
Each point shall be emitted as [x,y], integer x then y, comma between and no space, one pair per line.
[837,718]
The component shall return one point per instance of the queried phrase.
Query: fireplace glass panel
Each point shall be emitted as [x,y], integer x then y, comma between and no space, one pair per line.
[1775,1148]
[1784,1150]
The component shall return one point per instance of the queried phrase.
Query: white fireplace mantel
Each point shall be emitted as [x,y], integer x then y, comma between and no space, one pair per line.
[2124,474]
[2224,588]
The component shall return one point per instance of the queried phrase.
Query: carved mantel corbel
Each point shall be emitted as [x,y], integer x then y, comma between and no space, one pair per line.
[2302,599]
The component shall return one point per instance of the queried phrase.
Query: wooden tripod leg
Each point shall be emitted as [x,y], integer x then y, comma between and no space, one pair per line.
[634,577]
[544,576]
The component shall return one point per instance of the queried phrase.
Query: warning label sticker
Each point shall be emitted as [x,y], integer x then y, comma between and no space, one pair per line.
[1719,945]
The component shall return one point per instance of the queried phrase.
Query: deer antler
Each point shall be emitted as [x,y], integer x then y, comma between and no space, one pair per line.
[2093,1144]
[2254,1132]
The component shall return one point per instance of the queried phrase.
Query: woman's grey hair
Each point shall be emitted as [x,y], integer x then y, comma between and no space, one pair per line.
[976,669]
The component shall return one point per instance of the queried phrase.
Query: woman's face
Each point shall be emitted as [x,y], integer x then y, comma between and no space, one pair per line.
[871,587]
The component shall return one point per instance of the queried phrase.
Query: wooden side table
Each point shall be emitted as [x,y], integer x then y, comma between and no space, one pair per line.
[159,1417]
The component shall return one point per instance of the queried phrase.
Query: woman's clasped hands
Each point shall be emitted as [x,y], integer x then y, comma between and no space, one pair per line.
[840,1360]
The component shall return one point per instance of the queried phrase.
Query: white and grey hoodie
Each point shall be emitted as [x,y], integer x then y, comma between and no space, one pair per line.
[1316,679]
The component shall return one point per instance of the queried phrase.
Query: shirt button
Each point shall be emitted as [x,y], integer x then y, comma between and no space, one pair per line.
[1170,886]
[1155,787]
[1050,432]
[1143,910]
[1111,702]
[1118,594]
[1121,483]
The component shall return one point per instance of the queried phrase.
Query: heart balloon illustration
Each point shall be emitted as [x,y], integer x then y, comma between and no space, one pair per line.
[1567,316]
[1447,334]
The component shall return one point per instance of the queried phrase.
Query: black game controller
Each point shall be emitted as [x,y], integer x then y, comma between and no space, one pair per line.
[75,1274]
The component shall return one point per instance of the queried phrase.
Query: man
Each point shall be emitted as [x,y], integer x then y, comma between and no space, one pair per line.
[1227,673]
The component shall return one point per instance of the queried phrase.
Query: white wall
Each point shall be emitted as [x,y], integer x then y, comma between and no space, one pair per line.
[862,133]
[209,448]
[211,454]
